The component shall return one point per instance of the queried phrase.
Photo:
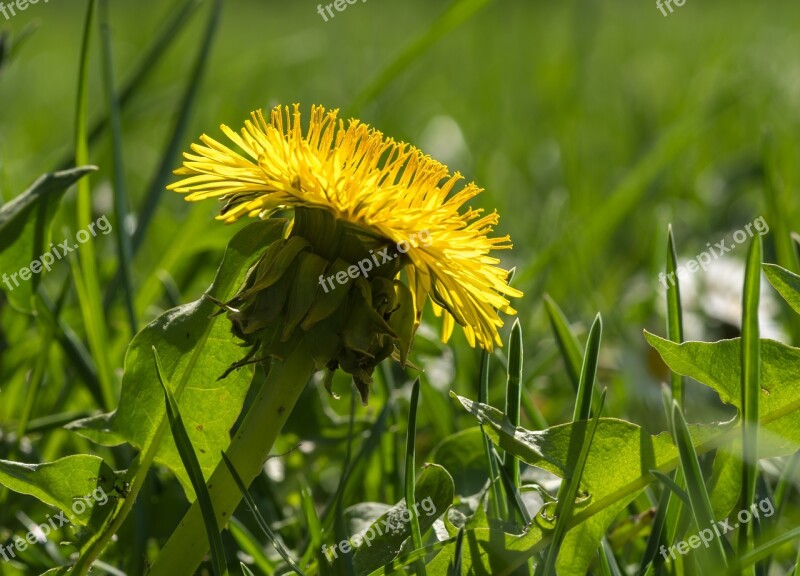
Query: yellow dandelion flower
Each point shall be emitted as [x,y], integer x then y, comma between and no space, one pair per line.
[379,188]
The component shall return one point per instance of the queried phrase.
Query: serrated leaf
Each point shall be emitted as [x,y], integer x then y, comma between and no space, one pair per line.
[196,347]
[718,365]
[615,473]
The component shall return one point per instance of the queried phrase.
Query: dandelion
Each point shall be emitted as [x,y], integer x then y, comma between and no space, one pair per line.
[351,193]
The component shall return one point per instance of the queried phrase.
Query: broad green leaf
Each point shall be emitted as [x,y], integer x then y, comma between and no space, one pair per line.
[616,470]
[63,483]
[24,232]
[384,539]
[718,365]
[195,349]
[786,283]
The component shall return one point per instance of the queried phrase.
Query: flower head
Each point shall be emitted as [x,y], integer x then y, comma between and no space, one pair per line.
[380,192]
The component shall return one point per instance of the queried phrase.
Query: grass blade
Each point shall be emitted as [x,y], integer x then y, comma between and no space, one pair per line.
[251,504]
[251,546]
[168,34]
[120,195]
[672,485]
[695,485]
[513,399]
[86,269]
[411,477]
[567,341]
[674,512]
[185,109]
[751,383]
[608,563]
[674,312]
[583,402]
[189,458]
[566,497]
[312,522]
[457,570]
[763,551]
[514,495]
[497,502]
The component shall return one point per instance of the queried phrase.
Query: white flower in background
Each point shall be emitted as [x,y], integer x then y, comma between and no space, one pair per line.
[712,303]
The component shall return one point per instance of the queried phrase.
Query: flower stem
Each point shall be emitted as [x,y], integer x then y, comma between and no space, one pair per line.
[248,451]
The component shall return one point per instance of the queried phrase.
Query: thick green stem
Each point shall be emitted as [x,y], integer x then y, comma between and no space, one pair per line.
[248,451]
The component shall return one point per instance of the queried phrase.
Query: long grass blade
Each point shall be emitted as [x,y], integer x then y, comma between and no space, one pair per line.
[695,485]
[89,297]
[566,499]
[674,312]
[672,486]
[411,476]
[312,523]
[567,342]
[120,195]
[583,402]
[189,459]
[458,553]
[149,61]
[497,502]
[674,512]
[251,546]
[514,494]
[750,385]
[185,109]
[513,399]
[747,561]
